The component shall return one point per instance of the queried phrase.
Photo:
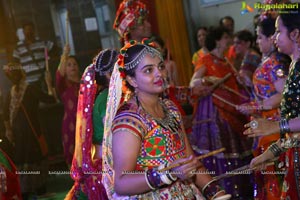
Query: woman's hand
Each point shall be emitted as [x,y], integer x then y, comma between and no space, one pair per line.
[259,162]
[246,109]
[67,50]
[261,127]
[185,171]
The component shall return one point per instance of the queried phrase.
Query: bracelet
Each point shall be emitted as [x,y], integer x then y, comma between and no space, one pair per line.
[276,151]
[169,175]
[211,189]
[147,181]
[154,178]
[284,127]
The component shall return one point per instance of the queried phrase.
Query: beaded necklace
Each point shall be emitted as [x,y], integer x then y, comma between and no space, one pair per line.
[168,122]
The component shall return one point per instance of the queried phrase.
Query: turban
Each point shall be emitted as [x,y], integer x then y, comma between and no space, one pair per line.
[129,14]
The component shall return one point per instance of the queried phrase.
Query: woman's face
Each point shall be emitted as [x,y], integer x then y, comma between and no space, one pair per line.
[264,43]
[223,43]
[201,35]
[72,67]
[283,41]
[240,46]
[142,30]
[149,75]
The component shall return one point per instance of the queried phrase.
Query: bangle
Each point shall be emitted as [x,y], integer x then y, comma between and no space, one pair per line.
[284,127]
[147,181]
[164,175]
[274,148]
[211,189]
[154,178]
[173,178]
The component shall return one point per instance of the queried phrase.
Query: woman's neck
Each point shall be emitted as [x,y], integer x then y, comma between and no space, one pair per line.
[295,56]
[218,53]
[150,103]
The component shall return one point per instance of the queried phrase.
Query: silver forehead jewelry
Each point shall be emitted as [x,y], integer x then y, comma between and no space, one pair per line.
[147,50]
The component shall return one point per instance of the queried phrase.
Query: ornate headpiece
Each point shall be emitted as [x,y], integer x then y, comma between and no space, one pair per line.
[150,48]
[129,14]
[105,60]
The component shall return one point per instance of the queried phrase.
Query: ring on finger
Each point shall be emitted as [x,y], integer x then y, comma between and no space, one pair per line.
[253,124]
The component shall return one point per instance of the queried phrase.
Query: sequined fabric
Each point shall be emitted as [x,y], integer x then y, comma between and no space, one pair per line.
[290,108]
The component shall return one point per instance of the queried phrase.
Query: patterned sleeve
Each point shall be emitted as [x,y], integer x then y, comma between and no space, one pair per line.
[129,122]
[250,62]
[280,68]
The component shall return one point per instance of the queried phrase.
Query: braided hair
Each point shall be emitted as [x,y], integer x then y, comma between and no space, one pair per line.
[104,64]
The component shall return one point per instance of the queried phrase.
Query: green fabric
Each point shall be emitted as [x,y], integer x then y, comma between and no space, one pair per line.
[4,161]
[82,196]
[98,114]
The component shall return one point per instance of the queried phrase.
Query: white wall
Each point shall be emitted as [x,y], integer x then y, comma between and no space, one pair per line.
[210,16]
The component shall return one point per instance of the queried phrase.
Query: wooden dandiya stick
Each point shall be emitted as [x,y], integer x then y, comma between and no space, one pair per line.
[67,27]
[225,101]
[221,81]
[238,171]
[234,92]
[199,158]
[237,73]
[46,58]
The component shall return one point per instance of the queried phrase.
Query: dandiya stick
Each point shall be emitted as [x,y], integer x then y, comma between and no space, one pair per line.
[234,92]
[67,27]
[199,158]
[235,71]
[225,101]
[221,81]
[46,58]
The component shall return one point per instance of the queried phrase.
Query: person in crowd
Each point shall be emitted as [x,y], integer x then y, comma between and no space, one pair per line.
[67,85]
[288,42]
[217,123]
[201,35]
[31,53]
[152,127]
[268,82]
[228,23]
[23,128]
[242,42]
[169,63]
[88,149]
[131,21]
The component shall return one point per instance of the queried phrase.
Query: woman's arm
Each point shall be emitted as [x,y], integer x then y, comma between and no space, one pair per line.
[125,149]
[63,60]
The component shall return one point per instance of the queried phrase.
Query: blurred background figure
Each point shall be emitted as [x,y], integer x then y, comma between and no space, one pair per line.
[23,128]
[31,53]
[67,85]
[170,64]
[201,35]
[131,21]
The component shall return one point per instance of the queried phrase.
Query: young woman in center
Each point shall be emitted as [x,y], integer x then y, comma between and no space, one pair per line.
[144,134]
